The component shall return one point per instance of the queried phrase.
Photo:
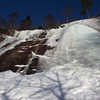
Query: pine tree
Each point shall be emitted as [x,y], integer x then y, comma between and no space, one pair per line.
[26,23]
[87,5]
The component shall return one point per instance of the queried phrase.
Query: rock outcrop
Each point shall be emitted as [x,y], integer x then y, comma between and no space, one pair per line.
[21,54]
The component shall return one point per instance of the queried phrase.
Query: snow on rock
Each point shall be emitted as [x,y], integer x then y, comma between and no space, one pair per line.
[14,53]
[4,36]
[43,61]
[93,23]
[28,34]
[7,41]
[53,36]
[10,46]
[77,40]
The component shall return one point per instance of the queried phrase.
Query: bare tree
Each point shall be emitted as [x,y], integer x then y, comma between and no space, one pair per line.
[67,12]
[13,18]
[3,23]
[87,5]
[49,21]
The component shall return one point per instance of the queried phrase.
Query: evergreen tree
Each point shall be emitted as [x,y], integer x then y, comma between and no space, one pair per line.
[26,23]
[87,5]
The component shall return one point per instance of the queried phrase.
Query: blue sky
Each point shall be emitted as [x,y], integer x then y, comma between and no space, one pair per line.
[37,9]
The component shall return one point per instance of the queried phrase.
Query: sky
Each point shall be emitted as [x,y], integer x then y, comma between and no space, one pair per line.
[37,9]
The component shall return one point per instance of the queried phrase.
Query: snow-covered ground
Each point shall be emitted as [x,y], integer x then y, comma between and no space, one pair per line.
[67,82]
[73,66]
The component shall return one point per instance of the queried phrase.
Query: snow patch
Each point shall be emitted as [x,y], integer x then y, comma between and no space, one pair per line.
[28,34]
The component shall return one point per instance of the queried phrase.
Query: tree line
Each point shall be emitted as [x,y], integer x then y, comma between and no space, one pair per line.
[50,21]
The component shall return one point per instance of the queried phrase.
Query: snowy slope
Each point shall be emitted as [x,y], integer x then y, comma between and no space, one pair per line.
[73,66]
[67,82]
[78,42]
[93,23]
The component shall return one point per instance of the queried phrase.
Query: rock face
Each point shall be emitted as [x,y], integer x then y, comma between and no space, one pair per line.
[2,37]
[74,41]
[21,54]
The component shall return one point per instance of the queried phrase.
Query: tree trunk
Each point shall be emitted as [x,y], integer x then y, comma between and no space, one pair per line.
[87,13]
[67,18]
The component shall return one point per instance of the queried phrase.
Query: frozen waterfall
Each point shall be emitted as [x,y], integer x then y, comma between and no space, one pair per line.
[80,43]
